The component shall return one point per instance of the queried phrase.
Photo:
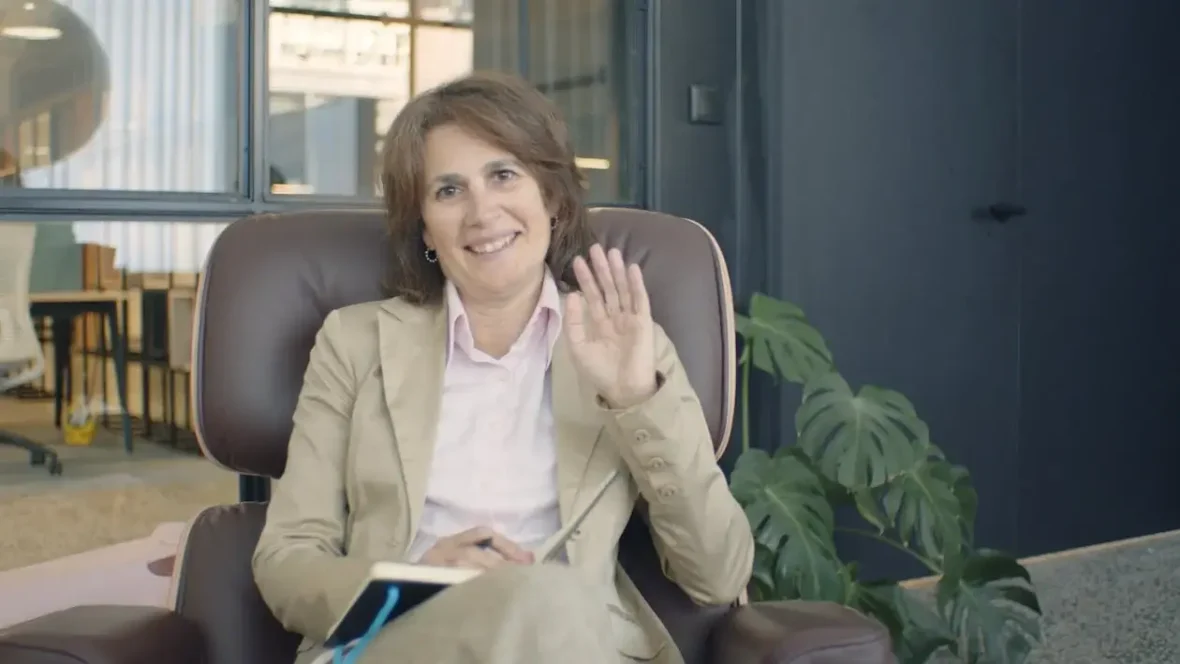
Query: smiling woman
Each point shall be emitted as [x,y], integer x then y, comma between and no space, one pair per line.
[478,170]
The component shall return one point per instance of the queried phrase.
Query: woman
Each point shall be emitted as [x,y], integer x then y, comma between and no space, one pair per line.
[462,421]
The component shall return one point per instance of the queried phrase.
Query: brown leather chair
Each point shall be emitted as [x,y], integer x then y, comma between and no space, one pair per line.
[270,281]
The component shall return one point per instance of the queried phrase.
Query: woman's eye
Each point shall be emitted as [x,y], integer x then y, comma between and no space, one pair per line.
[446,192]
[504,174]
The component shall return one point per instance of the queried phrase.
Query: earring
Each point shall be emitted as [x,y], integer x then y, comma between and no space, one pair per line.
[431,256]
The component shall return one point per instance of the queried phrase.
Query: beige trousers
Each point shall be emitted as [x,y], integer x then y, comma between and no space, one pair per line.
[532,614]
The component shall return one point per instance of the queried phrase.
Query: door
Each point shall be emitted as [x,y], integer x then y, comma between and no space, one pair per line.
[898,129]
[1100,334]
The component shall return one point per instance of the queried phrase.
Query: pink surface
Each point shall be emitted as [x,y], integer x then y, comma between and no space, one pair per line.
[117,574]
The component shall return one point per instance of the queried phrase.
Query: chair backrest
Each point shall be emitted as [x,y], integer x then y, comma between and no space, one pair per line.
[21,357]
[270,281]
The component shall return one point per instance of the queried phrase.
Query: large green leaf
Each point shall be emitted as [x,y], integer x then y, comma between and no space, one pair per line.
[923,507]
[917,630]
[968,502]
[790,514]
[860,440]
[762,584]
[992,609]
[781,340]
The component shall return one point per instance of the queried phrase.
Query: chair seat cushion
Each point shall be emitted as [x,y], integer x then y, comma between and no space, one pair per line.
[104,635]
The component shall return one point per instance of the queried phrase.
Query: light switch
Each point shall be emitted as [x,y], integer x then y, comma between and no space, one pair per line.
[704,104]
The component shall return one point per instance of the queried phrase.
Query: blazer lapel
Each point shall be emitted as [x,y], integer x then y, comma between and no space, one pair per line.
[581,458]
[412,343]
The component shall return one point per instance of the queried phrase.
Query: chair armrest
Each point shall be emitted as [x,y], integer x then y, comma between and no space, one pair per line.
[800,633]
[104,635]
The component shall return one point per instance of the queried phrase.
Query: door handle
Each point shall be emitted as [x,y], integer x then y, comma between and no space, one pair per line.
[1000,212]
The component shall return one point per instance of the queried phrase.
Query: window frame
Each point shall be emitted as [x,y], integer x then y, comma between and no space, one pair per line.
[253,195]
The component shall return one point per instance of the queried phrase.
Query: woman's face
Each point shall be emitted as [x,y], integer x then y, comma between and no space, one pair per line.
[485,216]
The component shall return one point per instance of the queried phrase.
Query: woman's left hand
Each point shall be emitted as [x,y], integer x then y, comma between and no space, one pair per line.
[610,330]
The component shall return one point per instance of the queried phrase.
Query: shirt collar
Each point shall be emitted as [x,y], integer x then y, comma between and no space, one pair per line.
[547,313]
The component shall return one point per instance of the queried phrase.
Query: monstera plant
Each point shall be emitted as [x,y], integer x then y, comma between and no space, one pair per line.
[868,450]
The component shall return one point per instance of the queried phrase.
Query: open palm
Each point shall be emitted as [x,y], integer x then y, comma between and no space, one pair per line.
[609,328]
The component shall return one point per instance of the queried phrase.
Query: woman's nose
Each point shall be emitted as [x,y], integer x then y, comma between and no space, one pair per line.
[485,206]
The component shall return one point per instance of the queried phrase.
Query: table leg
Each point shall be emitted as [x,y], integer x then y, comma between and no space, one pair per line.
[63,341]
[119,345]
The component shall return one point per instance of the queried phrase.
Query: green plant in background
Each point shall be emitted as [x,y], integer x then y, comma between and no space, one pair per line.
[869,450]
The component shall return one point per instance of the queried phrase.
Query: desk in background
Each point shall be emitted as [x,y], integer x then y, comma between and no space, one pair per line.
[63,308]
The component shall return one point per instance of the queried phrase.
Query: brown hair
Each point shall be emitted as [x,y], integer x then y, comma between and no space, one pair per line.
[508,113]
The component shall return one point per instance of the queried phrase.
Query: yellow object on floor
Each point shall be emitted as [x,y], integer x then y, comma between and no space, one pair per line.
[80,426]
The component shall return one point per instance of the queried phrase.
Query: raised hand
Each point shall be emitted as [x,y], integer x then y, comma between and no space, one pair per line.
[610,330]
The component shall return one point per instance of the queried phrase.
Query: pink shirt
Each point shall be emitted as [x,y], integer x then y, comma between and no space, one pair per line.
[495,460]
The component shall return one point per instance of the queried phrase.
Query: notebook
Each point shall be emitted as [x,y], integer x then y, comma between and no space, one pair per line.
[418,583]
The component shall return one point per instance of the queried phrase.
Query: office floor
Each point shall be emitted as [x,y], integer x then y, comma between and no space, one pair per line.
[99,533]
[103,497]
[1117,603]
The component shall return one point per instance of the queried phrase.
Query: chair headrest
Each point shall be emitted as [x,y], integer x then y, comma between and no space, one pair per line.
[270,280]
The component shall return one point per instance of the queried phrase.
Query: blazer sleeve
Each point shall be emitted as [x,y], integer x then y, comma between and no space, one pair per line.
[700,531]
[300,566]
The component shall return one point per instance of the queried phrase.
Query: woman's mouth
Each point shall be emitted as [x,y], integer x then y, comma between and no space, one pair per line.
[493,246]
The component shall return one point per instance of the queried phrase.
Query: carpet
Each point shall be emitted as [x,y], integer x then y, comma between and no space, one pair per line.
[1112,604]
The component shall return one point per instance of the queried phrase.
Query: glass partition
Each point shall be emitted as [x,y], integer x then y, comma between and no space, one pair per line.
[340,71]
[121,96]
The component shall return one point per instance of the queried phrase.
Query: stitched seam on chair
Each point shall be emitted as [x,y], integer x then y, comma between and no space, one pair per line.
[862,641]
[729,340]
[19,647]
[197,353]
[176,586]
[178,569]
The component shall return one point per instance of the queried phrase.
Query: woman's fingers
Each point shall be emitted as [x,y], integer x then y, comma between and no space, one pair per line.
[606,282]
[481,558]
[618,273]
[472,536]
[510,550]
[591,293]
[484,548]
[638,290]
[610,286]
[575,317]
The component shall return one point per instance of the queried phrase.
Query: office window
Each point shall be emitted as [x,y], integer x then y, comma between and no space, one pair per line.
[447,11]
[341,71]
[576,56]
[120,95]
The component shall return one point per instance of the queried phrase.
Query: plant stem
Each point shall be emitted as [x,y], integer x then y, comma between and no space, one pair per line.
[745,403]
[930,565]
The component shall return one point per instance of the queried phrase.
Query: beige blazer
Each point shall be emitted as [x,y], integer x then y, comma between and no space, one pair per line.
[360,454]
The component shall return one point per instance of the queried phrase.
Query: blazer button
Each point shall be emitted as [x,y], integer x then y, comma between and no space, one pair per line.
[642,436]
[668,492]
[656,463]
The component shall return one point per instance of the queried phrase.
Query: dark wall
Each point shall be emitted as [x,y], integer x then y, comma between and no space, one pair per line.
[861,150]
[717,174]
[1100,335]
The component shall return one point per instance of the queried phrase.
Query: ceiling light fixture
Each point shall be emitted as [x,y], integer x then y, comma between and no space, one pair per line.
[30,25]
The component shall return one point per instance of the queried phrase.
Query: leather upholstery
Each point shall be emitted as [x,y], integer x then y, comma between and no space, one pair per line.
[268,285]
[270,281]
[104,635]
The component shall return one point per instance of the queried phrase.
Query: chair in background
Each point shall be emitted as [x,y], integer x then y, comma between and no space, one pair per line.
[21,358]
[269,283]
